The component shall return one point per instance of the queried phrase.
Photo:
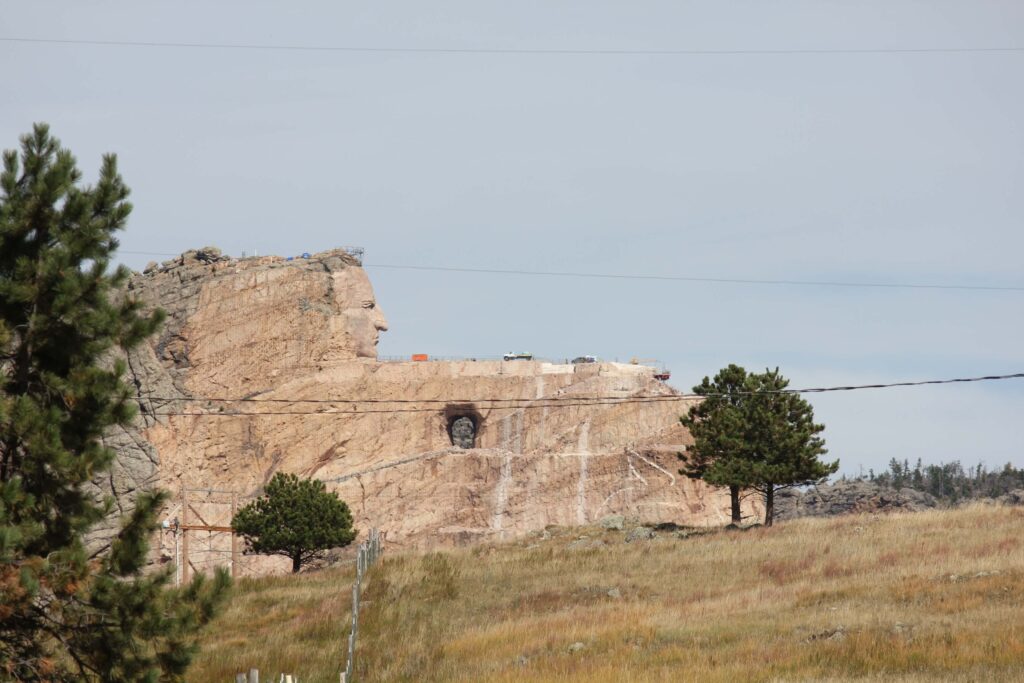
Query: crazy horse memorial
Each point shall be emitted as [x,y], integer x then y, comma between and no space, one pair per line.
[419,450]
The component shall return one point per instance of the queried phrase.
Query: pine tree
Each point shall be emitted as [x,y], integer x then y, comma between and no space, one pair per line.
[782,441]
[64,615]
[297,518]
[716,426]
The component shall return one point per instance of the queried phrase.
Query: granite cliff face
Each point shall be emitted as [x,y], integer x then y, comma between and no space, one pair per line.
[296,339]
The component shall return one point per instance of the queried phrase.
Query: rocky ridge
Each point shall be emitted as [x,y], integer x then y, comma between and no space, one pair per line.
[849,496]
[858,495]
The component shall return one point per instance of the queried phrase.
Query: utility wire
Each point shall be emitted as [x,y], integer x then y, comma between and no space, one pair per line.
[552,402]
[672,278]
[355,410]
[511,51]
[578,397]
[147,253]
[566,398]
[682,278]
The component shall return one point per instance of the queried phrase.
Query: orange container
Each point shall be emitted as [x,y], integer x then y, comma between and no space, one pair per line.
[419,356]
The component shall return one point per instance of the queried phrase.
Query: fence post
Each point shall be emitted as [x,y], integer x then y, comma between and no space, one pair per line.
[351,653]
[254,676]
[355,607]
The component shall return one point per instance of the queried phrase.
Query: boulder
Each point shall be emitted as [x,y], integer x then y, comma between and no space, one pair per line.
[1015,497]
[641,533]
[613,522]
[208,254]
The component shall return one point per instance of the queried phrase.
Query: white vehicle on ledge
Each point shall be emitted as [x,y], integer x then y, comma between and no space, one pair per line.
[517,356]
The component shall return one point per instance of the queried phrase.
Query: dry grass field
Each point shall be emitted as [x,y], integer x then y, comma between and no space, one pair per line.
[929,596]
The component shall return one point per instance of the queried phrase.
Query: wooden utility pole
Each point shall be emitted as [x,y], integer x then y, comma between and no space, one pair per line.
[185,525]
[184,536]
[234,538]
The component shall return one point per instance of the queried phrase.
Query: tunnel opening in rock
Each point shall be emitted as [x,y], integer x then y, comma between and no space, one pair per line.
[463,424]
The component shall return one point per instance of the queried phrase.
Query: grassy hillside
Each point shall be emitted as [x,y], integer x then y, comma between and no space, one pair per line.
[930,596]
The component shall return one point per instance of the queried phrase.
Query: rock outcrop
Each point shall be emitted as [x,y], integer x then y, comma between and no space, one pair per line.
[1015,497]
[846,496]
[267,365]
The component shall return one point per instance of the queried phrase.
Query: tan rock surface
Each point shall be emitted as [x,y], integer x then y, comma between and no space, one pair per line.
[296,336]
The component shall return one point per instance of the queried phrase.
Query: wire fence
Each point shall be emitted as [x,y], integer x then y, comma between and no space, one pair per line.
[367,555]
[254,677]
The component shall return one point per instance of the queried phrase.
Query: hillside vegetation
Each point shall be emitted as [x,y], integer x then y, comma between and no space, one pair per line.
[949,482]
[928,596]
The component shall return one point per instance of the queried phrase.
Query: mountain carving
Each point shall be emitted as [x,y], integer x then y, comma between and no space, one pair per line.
[420,450]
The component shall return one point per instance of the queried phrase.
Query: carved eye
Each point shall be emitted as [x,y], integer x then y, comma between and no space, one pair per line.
[369,304]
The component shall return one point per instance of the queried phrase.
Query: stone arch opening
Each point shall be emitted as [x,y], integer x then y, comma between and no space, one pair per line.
[463,423]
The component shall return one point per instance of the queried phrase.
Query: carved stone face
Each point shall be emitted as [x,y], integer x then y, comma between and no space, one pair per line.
[463,432]
[363,320]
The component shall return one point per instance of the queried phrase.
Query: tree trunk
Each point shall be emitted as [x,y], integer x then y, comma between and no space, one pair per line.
[769,504]
[734,495]
[296,563]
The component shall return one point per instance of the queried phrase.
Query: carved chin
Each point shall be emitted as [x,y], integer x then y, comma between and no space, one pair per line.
[366,348]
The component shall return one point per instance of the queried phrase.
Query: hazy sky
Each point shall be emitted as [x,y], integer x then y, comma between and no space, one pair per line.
[891,167]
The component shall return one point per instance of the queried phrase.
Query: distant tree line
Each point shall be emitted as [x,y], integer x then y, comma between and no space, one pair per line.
[950,482]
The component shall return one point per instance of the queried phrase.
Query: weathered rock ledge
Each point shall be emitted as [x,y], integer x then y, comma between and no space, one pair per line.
[848,496]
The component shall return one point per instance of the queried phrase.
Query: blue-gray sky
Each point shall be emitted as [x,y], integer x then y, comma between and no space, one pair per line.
[891,167]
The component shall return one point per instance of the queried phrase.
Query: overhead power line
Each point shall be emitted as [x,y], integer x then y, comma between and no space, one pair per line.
[718,280]
[146,253]
[496,403]
[579,397]
[512,51]
[355,410]
[671,278]
[360,401]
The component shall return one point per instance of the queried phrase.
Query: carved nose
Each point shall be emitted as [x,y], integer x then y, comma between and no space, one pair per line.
[381,323]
